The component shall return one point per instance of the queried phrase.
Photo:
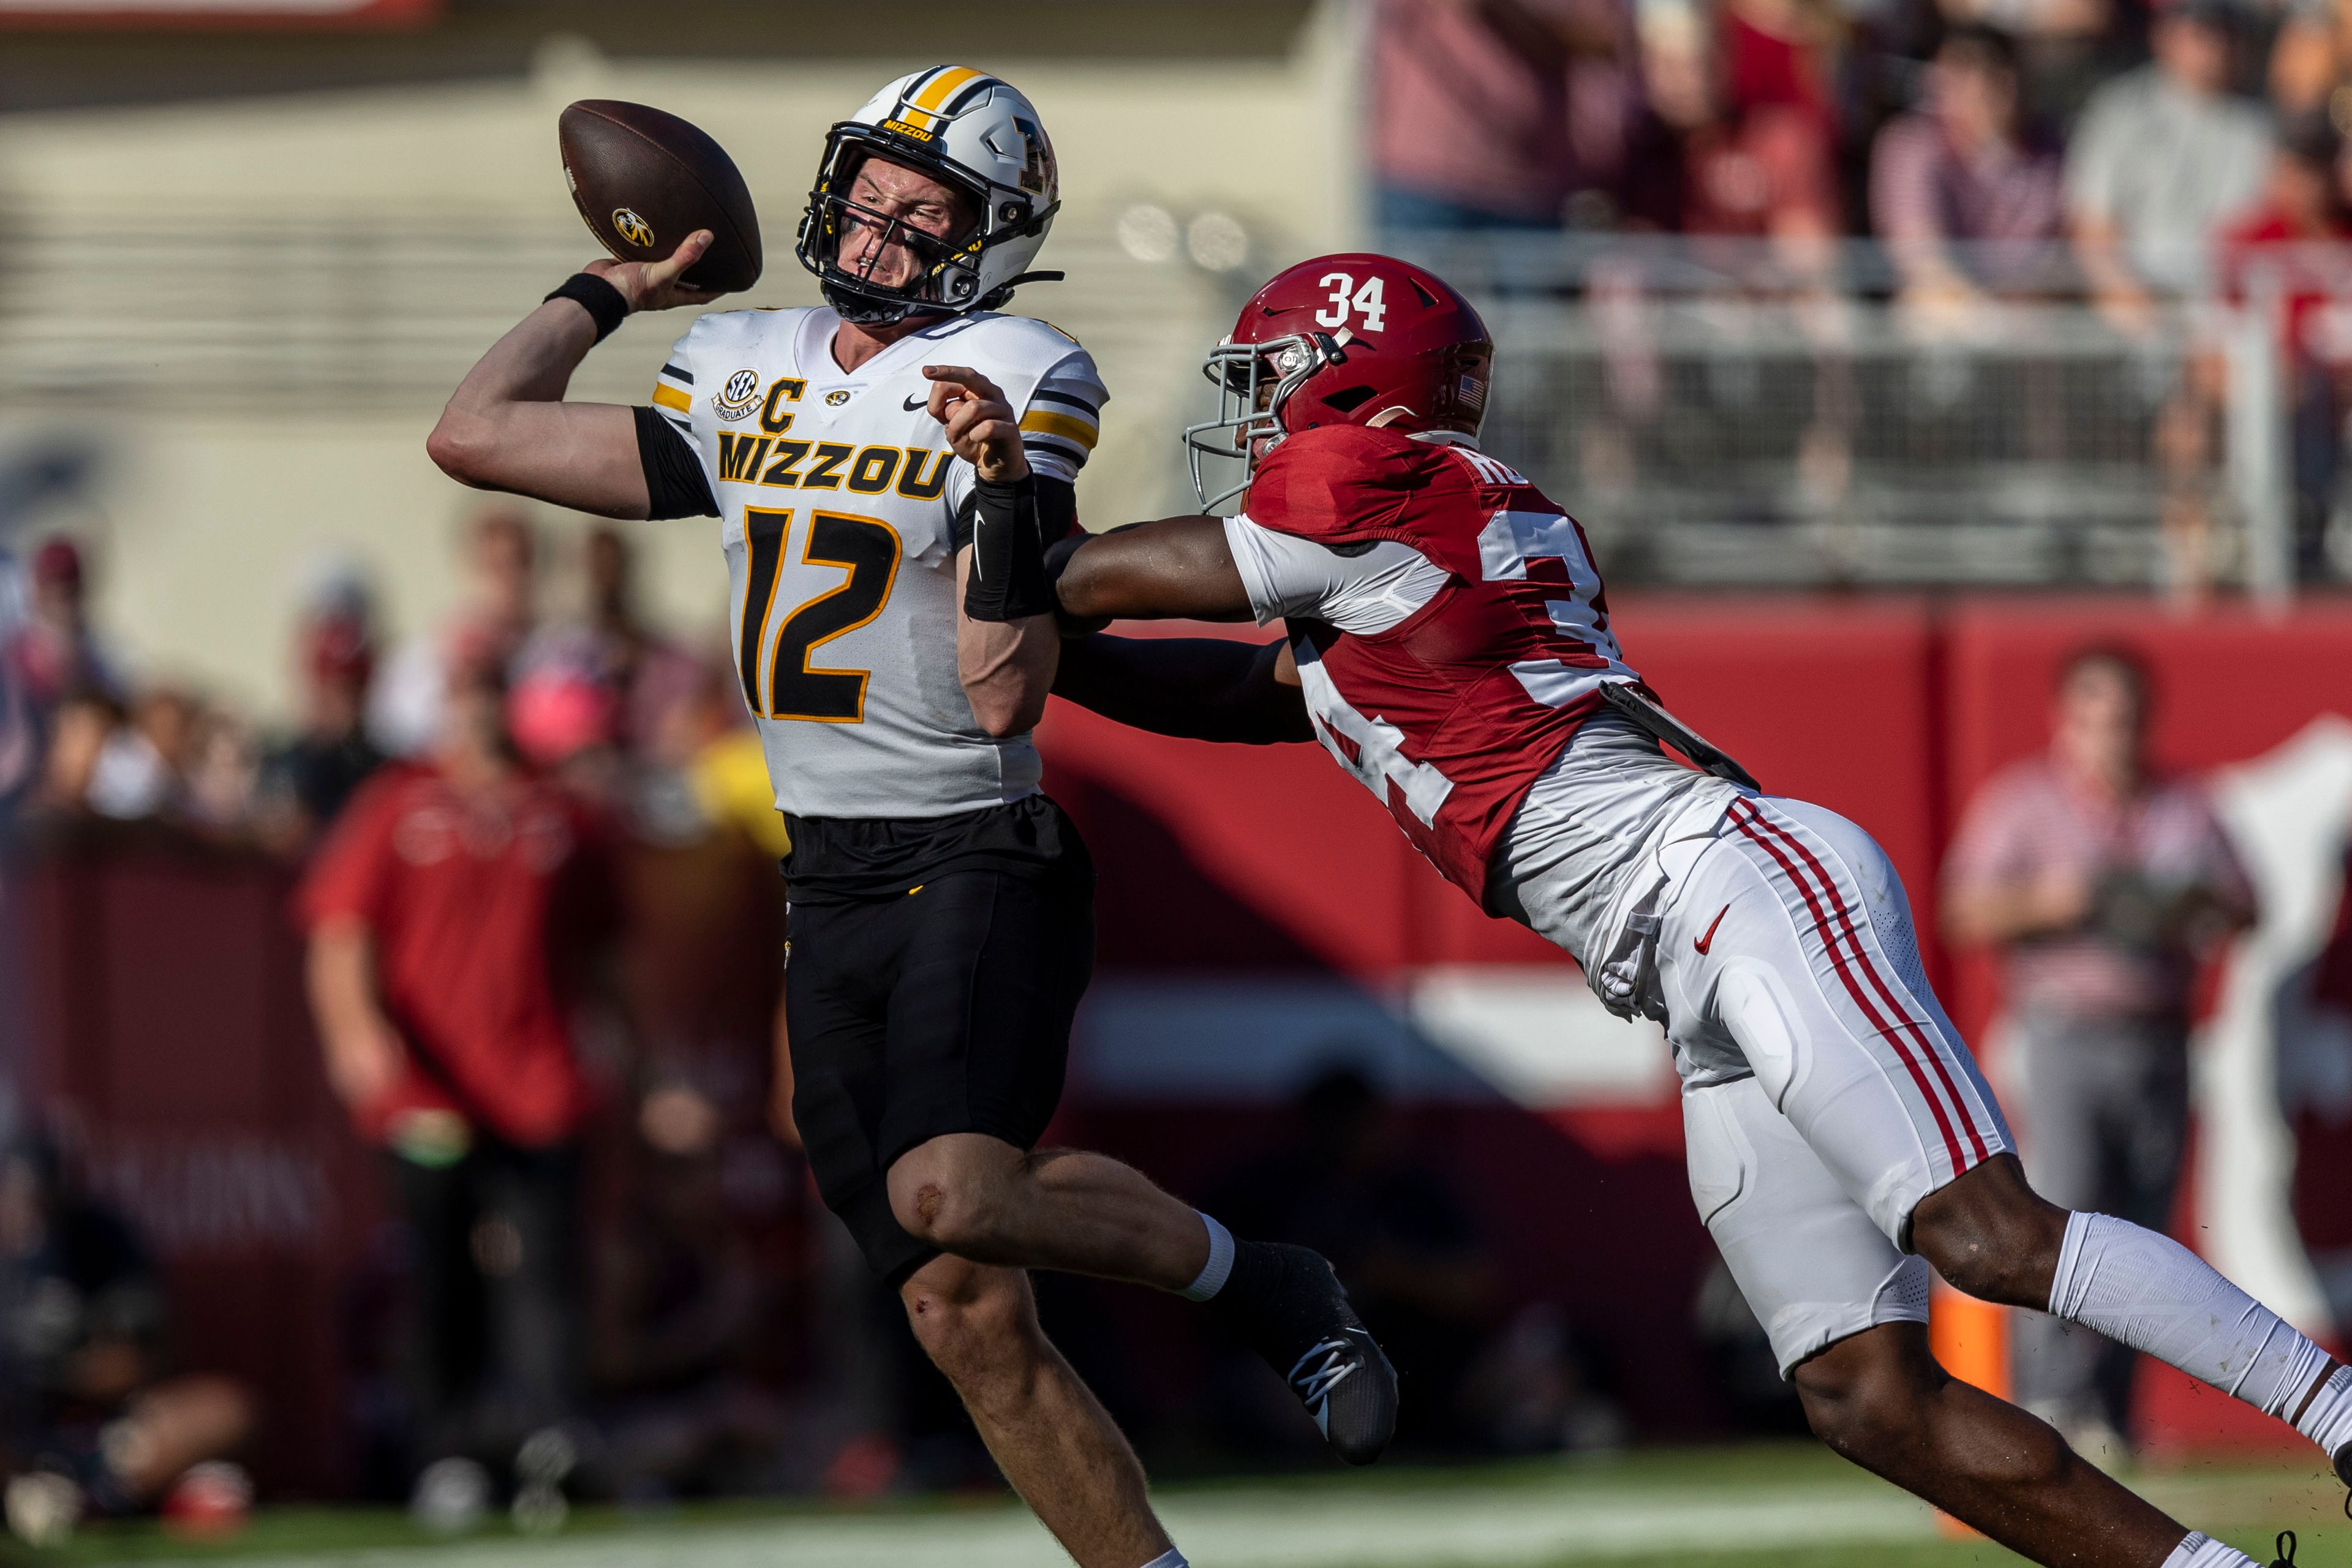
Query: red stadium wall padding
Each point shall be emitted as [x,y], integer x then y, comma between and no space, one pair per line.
[175,1062]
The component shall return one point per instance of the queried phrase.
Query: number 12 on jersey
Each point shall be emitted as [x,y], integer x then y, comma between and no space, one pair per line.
[777,679]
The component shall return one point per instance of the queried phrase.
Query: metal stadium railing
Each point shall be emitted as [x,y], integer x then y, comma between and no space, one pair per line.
[1715,411]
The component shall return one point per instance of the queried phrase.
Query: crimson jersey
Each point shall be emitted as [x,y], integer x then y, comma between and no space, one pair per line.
[1451,696]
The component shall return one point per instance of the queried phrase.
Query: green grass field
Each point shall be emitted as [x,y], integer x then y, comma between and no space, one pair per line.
[1765,1507]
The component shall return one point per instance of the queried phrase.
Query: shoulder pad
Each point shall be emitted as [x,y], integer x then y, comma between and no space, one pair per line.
[1343,482]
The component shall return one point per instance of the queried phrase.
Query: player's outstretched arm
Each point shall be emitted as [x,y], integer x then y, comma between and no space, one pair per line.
[508,427]
[1180,567]
[1200,688]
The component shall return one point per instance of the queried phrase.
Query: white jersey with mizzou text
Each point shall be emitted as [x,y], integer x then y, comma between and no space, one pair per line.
[842,511]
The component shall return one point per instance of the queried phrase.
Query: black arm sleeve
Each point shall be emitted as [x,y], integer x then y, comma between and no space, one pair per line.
[1008,554]
[1200,688]
[676,485]
[1057,511]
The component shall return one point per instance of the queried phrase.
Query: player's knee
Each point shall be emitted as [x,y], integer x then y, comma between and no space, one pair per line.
[975,1326]
[961,1217]
[1863,1395]
[1992,1235]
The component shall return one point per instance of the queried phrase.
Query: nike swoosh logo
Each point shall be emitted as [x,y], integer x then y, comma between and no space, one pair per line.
[914,402]
[1704,942]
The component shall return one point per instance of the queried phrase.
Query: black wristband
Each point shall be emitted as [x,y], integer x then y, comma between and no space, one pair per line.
[605,305]
[1008,554]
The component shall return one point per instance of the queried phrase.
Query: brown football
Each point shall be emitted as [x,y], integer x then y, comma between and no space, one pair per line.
[644,180]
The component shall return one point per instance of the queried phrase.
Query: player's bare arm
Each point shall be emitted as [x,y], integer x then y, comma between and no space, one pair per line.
[507,427]
[1176,568]
[1006,666]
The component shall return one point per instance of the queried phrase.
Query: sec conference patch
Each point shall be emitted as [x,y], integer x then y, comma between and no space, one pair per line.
[738,397]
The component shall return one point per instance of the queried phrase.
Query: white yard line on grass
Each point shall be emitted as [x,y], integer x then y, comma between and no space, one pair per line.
[1410,1527]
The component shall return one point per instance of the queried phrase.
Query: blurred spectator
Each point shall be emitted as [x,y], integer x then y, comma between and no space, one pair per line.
[20,745]
[2163,157]
[454,913]
[651,674]
[2270,256]
[1704,163]
[1960,194]
[1350,1185]
[564,713]
[305,779]
[1489,114]
[690,1302]
[2311,62]
[92,1405]
[501,590]
[2101,883]
[55,652]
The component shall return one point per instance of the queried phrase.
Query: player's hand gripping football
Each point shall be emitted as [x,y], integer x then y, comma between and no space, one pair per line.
[654,285]
[981,426]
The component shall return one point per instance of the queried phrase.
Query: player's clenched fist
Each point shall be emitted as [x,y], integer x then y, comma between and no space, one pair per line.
[981,425]
[654,285]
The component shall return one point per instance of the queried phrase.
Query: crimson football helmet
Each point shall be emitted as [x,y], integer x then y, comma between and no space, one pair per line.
[1354,339]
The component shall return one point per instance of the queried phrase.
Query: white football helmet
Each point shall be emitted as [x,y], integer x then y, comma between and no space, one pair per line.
[975,134]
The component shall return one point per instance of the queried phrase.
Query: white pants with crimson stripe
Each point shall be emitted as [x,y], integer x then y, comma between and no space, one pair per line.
[1825,1092]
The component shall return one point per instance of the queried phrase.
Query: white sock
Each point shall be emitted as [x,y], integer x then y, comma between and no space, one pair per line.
[2153,1294]
[2328,1422]
[1171,1558]
[2200,1551]
[1210,1281]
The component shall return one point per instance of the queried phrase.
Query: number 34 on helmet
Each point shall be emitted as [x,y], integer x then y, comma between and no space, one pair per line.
[1353,339]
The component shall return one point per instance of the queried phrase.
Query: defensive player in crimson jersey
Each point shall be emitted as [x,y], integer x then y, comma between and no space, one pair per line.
[1450,645]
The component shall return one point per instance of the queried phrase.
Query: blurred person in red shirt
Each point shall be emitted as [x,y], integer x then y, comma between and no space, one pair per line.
[2102,883]
[453,915]
[1706,162]
[56,654]
[1490,115]
[1961,170]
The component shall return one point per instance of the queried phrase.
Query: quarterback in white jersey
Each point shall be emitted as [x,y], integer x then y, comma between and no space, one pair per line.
[894,638]
[842,513]
[1450,642]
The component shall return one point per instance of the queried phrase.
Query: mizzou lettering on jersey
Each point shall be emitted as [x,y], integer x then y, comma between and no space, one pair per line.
[839,507]
[1451,713]
[920,472]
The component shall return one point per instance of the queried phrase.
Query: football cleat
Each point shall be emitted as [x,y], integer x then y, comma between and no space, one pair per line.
[1348,1385]
[2285,1558]
[1306,1330]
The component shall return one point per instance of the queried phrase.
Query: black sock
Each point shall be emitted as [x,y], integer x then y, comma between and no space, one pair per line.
[1281,1299]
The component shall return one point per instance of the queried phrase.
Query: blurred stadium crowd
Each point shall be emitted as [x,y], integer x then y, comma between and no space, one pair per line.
[2153,136]
[2136,155]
